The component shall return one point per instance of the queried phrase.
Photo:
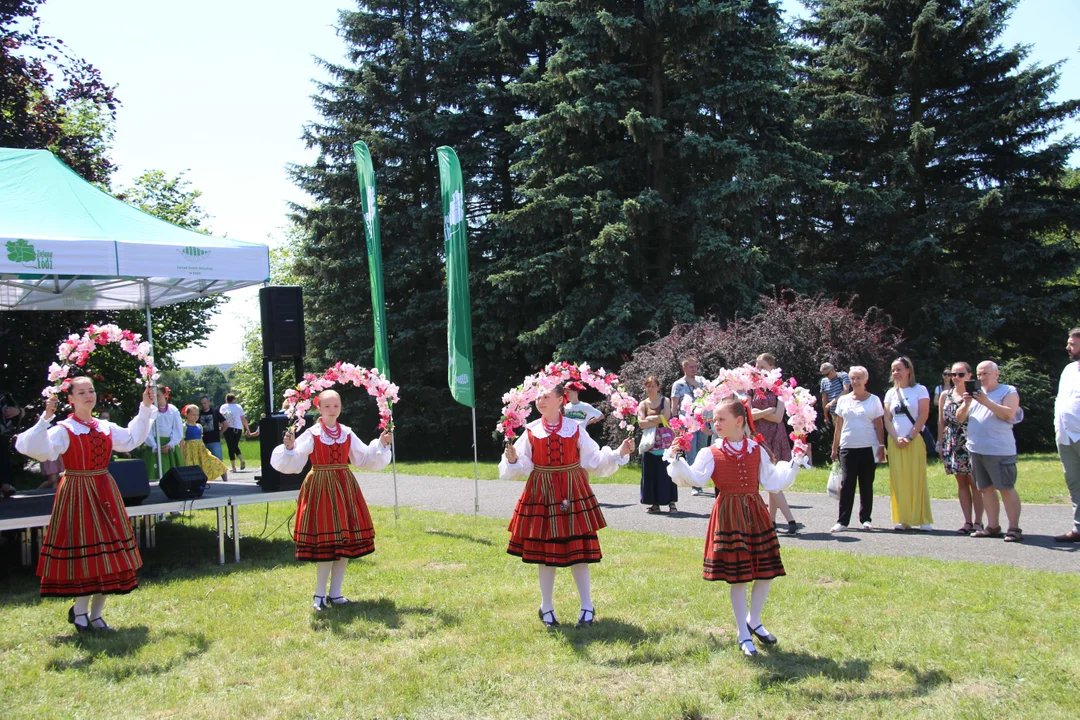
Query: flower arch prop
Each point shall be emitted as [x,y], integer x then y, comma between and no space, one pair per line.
[518,402]
[76,350]
[745,381]
[304,396]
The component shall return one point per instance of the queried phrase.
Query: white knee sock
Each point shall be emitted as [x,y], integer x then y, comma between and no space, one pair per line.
[97,605]
[584,584]
[759,593]
[738,607]
[547,587]
[337,577]
[322,572]
[82,607]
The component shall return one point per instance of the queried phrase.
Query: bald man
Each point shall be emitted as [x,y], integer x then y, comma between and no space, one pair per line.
[990,414]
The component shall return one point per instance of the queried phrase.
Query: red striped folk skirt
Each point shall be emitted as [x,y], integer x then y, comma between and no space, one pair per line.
[332,518]
[541,532]
[741,545]
[89,547]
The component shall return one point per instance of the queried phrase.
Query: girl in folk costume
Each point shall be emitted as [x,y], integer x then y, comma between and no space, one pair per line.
[167,431]
[332,519]
[557,516]
[741,545]
[89,550]
[192,448]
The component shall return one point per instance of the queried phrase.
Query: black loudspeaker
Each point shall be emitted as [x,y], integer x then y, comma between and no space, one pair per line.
[271,430]
[131,479]
[184,483]
[282,309]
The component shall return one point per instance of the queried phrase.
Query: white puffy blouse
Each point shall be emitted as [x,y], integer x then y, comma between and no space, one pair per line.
[371,456]
[596,460]
[43,442]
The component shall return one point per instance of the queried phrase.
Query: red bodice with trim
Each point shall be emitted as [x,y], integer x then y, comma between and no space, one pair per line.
[736,476]
[335,454]
[555,450]
[89,452]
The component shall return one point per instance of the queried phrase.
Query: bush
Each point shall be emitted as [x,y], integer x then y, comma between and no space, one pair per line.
[801,331]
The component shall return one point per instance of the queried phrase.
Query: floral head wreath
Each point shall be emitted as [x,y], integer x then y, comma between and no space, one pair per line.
[747,382]
[77,349]
[518,402]
[305,395]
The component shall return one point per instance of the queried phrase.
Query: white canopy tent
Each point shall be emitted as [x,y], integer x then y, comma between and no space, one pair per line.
[71,246]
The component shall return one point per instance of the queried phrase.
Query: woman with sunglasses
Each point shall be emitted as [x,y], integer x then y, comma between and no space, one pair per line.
[952,441]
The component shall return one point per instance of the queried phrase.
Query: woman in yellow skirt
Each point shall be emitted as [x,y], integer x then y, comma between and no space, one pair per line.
[192,448]
[907,407]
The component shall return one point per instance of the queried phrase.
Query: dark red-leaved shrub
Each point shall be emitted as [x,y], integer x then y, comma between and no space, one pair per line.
[801,331]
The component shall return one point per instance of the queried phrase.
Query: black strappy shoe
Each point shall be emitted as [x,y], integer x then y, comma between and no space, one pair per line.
[319,603]
[103,627]
[583,621]
[766,637]
[339,600]
[747,647]
[80,628]
[544,615]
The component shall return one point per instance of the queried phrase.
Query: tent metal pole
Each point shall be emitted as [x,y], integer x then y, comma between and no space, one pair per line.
[153,386]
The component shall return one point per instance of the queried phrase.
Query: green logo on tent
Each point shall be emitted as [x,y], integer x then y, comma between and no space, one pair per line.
[194,252]
[79,294]
[21,251]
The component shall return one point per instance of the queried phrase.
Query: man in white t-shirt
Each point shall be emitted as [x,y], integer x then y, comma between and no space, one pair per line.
[1067,430]
[582,412]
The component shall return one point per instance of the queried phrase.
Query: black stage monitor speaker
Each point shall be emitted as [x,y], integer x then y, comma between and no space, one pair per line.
[282,309]
[184,483]
[131,479]
[271,430]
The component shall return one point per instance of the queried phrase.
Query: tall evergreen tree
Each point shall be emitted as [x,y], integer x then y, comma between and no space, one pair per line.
[944,204]
[661,167]
[411,85]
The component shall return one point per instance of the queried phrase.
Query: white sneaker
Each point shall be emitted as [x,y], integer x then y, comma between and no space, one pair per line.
[838,528]
[928,527]
[901,526]
[867,526]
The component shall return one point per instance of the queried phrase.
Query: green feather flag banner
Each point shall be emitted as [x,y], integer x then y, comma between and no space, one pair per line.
[459,316]
[365,173]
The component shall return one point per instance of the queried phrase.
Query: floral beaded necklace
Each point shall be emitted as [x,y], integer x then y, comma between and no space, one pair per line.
[549,428]
[332,434]
[92,423]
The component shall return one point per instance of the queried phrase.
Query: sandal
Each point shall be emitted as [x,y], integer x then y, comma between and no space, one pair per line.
[747,647]
[584,621]
[967,529]
[544,618]
[1014,535]
[993,532]
[318,603]
[339,600]
[653,510]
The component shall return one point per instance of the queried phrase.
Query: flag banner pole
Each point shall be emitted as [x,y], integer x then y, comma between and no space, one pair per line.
[459,312]
[365,174]
[393,460]
[476,468]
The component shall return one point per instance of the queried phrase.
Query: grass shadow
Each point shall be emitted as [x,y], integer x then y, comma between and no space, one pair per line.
[460,536]
[381,619]
[114,656]
[644,647]
[785,666]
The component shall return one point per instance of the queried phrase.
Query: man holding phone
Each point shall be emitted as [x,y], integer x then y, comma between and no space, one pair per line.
[1067,430]
[990,412]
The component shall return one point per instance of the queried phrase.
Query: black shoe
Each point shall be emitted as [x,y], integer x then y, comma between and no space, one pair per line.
[78,627]
[747,647]
[103,627]
[586,618]
[339,600]
[766,637]
[793,528]
[71,614]
[544,615]
[318,603]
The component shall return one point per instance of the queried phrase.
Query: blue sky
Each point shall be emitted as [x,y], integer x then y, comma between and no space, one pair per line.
[222,90]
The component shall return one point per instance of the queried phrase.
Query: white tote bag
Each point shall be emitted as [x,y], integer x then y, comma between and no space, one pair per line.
[834,481]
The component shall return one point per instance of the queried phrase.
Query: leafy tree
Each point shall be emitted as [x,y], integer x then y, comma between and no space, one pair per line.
[1037,394]
[943,203]
[169,198]
[660,169]
[213,384]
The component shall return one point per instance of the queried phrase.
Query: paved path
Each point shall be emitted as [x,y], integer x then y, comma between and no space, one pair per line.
[815,511]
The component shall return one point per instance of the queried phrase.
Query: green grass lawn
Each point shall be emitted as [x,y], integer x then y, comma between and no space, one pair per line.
[444,626]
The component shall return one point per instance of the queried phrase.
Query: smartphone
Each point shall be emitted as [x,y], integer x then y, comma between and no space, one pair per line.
[972,387]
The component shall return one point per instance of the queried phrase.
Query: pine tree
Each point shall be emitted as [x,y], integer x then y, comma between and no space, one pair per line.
[661,169]
[944,205]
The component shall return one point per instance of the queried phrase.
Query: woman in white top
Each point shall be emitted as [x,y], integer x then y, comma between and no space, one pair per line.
[859,443]
[907,407]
